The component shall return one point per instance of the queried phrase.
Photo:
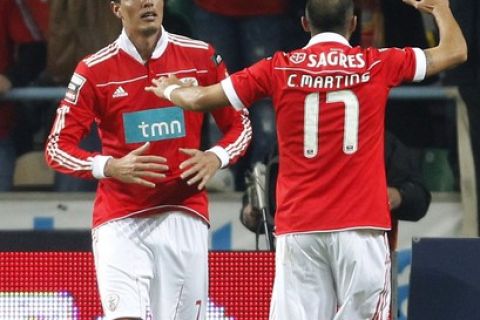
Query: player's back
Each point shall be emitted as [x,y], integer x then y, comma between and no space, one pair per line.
[330,107]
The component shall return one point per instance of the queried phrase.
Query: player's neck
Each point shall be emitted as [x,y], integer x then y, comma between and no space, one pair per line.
[145,44]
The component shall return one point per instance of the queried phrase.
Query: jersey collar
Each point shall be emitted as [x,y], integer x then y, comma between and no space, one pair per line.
[126,45]
[327,37]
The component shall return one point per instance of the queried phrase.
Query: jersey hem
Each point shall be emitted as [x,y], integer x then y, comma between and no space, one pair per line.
[153,211]
[334,230]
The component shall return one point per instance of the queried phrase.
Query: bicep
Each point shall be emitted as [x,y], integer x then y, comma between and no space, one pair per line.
[437,61]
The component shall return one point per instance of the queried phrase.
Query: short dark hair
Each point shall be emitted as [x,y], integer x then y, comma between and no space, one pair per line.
[328,15]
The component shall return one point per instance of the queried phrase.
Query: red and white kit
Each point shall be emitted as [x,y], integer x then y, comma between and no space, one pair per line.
[329,100]
[109,88]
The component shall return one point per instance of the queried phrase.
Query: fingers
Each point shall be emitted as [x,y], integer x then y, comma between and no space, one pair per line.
[141,150]
[151,159]
[150,167]
[192,160]
[143,182]
[150,174]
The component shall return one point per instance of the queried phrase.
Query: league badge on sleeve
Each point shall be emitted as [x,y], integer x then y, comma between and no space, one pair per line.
[217,59]
[74,87]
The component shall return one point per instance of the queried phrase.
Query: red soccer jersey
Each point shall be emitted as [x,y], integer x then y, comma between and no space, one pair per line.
[330,101]
[109,88]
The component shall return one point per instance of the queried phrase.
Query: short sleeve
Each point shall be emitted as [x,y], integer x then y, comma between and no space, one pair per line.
[250,84]
[403,65]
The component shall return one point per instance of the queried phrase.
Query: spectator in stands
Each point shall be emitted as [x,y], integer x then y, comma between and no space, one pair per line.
[150,217]
[408,196]
[467,78]
[23,29]
[244,32]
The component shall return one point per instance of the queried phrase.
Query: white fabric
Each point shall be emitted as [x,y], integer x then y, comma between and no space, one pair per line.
[98,166]
[421,65]
[153,267]
[327,37]
[126,45]
[222,154]
[231,94]
[332,276]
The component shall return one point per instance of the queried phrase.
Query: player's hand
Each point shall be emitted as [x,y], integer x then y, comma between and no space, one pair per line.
[136,167]
[5,84]
[394,198]
[161,83]
[200,167]
[426,5]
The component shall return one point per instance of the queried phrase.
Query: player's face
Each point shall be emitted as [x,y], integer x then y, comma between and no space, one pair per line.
[140,16]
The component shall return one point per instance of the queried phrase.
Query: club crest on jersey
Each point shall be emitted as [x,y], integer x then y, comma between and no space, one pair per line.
[112,301]
[154,125]
[298,57]
[74,87]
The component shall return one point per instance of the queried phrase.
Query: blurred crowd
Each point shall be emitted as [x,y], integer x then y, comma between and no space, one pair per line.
[41,41]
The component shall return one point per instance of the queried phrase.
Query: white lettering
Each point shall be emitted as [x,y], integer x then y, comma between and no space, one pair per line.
[290,80]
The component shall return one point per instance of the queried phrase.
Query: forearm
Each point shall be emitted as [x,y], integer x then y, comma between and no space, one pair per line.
[199,98]
[452,48]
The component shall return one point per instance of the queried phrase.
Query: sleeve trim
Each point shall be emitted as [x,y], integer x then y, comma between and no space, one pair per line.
[231,94]
[222,154]
[420,66]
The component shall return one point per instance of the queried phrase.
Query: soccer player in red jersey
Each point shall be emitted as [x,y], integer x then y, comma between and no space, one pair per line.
[332,256]
[150,216]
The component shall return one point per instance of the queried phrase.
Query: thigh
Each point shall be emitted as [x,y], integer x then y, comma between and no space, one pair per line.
[361,268]
[180,288]
[303,287]
[123,268]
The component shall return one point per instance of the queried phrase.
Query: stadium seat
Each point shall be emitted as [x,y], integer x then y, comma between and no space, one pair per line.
[31,172]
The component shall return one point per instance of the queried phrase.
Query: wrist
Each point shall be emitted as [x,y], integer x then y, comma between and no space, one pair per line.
[101,166]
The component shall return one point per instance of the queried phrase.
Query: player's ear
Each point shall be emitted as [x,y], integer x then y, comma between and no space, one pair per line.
[305,24]
[115,6]
[353,24]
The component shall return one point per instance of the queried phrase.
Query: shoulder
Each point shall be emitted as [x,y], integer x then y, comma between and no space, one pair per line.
[187,43]
[101,56]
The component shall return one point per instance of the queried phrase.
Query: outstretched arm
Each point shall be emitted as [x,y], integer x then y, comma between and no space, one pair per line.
[189,97]
[452,48]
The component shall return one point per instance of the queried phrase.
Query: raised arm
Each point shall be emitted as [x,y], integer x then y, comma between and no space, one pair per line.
[189,97]
[452,47]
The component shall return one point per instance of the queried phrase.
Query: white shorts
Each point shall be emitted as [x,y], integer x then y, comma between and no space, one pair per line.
[332,276]
[153,267]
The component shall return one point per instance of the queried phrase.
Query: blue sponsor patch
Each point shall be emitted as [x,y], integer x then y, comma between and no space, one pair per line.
[154,125]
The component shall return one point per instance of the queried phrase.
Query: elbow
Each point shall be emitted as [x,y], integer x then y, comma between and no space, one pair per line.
[461,54]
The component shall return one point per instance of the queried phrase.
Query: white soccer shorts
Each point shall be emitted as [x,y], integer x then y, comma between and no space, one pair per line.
[153,268]
[332,276]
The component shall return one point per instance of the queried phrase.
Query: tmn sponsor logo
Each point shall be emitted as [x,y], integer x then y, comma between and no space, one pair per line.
[154,125]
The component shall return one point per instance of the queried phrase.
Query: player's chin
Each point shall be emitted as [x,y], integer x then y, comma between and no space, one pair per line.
[150,29]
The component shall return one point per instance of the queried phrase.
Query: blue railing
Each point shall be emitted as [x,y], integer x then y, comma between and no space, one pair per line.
[400,93]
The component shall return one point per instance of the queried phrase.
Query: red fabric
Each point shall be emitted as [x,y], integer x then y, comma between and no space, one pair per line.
[238,8]
[108,86]
[331,190]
